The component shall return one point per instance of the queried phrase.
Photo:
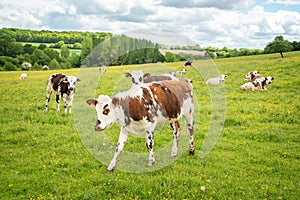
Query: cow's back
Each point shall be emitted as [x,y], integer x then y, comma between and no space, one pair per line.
[55,80]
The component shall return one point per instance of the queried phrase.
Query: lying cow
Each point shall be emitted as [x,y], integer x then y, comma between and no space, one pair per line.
[183,71]
[64,86]
[217,80]
[262,82]
[248,86]
[251,75]
[150,104]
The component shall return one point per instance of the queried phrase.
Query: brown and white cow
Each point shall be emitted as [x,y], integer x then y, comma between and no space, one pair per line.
[138,77]
[140,111]
[64,86]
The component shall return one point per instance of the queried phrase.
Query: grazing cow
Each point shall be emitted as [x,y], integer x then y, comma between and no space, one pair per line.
[23,76]
[251,75]
[217,80]
[150,104]
[64,86]
[248,86]
[188,63]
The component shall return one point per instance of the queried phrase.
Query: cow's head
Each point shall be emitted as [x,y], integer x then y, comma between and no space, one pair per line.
[137,76]
[251,75]
[269,80]
[71,82]
[105,116]
[223,77]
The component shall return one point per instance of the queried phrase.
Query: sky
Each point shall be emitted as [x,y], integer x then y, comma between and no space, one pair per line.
[216,23]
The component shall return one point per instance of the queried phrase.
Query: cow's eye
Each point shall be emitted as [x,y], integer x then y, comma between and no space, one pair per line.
[105,111]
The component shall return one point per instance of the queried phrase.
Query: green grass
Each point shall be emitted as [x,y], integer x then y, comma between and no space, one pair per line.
[256,157]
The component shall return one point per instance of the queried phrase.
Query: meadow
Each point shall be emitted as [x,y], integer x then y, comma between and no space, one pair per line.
[44,155]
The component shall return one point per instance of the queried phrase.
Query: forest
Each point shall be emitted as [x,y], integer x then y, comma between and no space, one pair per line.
[22,49]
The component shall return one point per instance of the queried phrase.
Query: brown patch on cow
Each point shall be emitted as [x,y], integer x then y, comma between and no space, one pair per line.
[56,79]
[150,79]
[170,96]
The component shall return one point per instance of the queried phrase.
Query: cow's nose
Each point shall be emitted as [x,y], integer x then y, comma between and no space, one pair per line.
[71,88]
[97,122]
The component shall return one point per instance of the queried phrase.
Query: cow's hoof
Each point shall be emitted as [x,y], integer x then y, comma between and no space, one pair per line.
[192,151]
[108,171]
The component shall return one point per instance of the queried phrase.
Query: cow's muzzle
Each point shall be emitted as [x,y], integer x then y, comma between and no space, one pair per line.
[97,127]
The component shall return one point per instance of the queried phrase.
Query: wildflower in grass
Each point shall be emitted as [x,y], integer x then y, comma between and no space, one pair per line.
[202,188]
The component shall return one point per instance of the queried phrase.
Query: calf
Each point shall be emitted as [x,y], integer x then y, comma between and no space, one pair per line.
[248,86]
[262,82]
[150,104]
[251,75]
[217,80]
[63,86]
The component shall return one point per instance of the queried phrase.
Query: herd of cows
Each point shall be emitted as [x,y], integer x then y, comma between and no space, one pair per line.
[150,101]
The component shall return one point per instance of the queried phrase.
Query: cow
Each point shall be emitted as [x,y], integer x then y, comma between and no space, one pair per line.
[64,86]
[248,86]
[138,77]
[262,82]
[217,80]
[183,71]
[188,63]
[140,111]
[23,76]
[102,69]
[251,75]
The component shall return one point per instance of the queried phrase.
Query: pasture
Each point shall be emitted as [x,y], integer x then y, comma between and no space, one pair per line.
[256,156]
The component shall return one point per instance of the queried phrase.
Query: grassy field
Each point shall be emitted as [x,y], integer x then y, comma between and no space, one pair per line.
[43,155]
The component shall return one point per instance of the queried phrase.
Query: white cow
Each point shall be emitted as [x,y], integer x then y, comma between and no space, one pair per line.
[217,80]
[23,76]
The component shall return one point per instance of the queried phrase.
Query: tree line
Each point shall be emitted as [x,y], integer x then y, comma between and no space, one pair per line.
[96,49]
[101,48]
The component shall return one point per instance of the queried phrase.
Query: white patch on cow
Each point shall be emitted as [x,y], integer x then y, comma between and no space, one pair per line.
[104,102]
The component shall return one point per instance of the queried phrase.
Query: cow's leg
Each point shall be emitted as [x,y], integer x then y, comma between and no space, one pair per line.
[150,145]
[64,97]
[176,132]
[190,127]
[48,94]
[57,103]
[121,142]
[70,104]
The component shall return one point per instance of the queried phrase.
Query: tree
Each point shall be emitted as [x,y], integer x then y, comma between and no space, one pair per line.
[54,64]
[8,66]
[65,52]
[279,45]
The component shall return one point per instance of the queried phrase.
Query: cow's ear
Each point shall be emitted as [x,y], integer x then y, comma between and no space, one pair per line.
[147,75]
[65,80]
[272,78]
[128,75]
[78,80]
[91,102]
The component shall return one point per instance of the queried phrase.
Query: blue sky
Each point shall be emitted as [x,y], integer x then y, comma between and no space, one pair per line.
[231,23]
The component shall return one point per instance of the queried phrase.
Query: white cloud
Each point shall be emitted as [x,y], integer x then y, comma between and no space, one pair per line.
[231,23]
[284,2]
